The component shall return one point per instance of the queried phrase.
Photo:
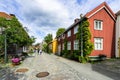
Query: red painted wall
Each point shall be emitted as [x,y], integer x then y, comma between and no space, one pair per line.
[108,33]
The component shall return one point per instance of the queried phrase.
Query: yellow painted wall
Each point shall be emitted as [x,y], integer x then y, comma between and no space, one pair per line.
[54,46]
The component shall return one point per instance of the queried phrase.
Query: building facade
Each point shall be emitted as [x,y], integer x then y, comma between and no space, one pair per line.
[117,34]
[102,27]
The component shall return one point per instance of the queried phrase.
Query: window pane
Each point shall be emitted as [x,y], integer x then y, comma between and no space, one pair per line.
[98,25]
[69,33]
[69,45]
[75,29]
[98,43]
[76,45]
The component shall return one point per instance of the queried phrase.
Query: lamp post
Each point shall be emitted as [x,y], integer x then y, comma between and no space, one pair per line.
[5,47]
[2,31]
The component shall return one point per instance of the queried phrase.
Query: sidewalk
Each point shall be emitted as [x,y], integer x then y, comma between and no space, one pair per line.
[112,65]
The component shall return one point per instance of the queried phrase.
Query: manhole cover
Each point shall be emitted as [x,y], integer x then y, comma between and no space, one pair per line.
[22,70]
[42,74]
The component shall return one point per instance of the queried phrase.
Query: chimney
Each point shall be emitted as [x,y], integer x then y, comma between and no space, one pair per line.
[12,15]
[76,20]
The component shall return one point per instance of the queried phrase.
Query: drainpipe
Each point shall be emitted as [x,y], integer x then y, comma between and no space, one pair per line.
[81,38]
[81,35]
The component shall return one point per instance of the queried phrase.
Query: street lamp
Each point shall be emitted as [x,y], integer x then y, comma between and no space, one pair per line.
[2,31]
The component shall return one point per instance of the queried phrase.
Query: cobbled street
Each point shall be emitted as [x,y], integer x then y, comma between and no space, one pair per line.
[58,68]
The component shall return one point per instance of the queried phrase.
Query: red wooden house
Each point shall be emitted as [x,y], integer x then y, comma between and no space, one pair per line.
[102,28]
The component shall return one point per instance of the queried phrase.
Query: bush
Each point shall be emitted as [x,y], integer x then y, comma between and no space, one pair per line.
[24,54]
[76,54]
[83,59]
[66,53]
[102,56]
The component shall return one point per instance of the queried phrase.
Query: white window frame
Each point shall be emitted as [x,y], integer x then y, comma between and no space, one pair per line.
[69,33]
[76,29]
[98,43]
[69,45]
[98,25]
[76,45]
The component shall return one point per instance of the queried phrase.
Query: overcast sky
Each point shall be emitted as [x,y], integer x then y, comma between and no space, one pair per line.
[46,16]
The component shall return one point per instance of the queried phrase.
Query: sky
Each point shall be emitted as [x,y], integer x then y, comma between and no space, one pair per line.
[42,17]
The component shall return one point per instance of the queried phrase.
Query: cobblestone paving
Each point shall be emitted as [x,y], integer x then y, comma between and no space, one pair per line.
[58,68]
[44,63]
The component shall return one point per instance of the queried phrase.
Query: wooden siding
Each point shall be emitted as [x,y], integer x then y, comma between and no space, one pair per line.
[108,33]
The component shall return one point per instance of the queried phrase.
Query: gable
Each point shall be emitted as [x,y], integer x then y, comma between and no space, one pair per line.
[100,7]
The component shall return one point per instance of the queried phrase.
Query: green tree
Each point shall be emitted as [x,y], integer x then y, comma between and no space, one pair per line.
[84,37]
[60,31]
[15,33]
[44,47]
[48,38]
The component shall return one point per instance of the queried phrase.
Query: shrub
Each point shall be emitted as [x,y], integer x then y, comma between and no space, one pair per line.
[102,56]
[76,54]
[83,59]
[66,53]
[24,54]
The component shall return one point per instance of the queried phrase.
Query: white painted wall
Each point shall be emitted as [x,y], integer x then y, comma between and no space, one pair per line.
[117,35]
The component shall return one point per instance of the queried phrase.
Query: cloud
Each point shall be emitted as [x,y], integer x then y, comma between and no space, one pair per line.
[46,16]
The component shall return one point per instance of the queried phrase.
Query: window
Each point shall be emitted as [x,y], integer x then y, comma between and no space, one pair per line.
[63,46]
[98,25]
[59,39]
[59,49]
[98,43]
[69,46]
[76,29]
[69,33]
[63,36]
[76,45]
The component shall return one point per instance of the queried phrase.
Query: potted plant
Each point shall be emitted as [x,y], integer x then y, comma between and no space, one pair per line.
[16,60]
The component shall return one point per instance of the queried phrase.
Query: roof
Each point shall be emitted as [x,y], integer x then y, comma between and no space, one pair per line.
[75,23]
[5,15]
[98,8]
[118,13]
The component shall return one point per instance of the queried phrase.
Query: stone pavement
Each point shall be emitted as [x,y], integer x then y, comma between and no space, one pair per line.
[59,69]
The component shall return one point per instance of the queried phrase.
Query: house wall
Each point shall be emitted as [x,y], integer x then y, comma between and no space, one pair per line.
[70,38]
[117,54]
[108,33]
[54,44]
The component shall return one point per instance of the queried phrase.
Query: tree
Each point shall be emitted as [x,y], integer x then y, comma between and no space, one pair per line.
[84,37]
[48,38]
[15,33]
[60,31]
[44,48]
